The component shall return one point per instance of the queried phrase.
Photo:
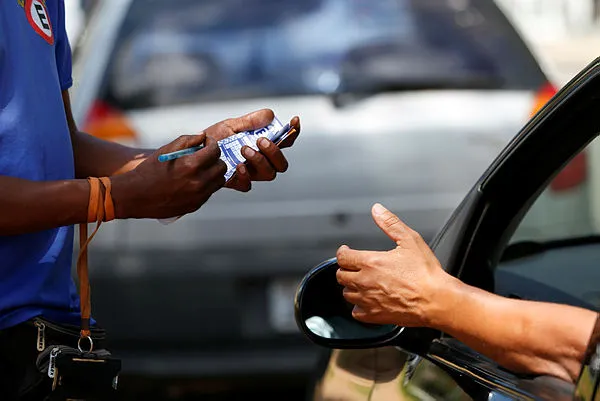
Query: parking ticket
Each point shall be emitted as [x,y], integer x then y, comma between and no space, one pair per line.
[231,147]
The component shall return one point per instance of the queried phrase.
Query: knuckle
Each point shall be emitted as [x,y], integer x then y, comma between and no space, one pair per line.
[348,294]
[380,260]
[183,138]
[368,282]
[180,142]
[197,185]
[339,276]
[227,125]
[213,152]
[256,156]
[361,285]
[216,149]
[358,314]
[415,235]
[372,260]
[188,163]
[221,168]
[390,220]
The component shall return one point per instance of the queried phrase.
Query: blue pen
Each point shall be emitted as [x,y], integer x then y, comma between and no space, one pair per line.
[176,155]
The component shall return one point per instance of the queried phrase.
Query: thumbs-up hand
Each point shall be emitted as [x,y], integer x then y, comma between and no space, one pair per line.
[400,286]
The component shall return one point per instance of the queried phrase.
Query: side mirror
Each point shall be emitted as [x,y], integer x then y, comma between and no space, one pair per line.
[325,317]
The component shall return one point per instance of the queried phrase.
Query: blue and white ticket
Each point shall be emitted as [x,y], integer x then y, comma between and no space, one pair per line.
[231,147]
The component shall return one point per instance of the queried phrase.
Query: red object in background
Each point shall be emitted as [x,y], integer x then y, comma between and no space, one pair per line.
[106,122]
[573,173]
[99,111]
[543,96]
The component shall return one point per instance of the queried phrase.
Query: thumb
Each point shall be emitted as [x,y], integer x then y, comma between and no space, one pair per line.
[184,142]
[389,223]
[251,121]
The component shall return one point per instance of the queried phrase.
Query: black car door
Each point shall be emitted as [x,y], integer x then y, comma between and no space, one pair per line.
[528,229]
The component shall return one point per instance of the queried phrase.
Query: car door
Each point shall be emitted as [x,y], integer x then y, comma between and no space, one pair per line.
[589,381]
[527,229]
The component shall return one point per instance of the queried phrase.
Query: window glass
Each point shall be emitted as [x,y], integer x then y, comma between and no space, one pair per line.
[554,255]
[180,51]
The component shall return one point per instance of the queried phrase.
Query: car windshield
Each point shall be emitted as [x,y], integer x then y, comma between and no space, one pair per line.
[181,51]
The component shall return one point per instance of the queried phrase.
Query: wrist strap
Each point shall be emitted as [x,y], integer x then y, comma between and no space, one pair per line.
[100,208]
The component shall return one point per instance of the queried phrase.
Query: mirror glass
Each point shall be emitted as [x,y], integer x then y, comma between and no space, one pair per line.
[341,327]
[325,313]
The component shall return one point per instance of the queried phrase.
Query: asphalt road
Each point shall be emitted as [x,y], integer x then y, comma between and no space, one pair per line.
[280,388]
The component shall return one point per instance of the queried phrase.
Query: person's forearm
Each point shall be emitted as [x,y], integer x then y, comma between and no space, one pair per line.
[95,157]
[29,206]
[523,336]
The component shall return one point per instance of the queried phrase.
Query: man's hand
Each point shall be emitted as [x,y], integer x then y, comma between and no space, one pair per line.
[394,287]
[407,287]
[263,165]
[162,190]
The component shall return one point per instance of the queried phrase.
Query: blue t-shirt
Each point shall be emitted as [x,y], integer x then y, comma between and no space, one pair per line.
[35,66]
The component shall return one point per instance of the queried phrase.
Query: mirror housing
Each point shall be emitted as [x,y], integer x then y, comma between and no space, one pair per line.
[325,317]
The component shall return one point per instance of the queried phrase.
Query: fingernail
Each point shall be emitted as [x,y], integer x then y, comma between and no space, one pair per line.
[378,209]
[356,311]
[242,169]
[264,143]
[249,152]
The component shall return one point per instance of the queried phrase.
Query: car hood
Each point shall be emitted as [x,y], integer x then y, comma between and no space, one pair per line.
[385,114]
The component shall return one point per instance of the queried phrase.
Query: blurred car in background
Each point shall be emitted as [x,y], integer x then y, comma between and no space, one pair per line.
[401,101]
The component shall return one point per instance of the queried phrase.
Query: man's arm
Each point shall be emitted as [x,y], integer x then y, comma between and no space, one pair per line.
[142,187]
[95,157]
[29,206]
[524,336]
[152,190]
[407,286]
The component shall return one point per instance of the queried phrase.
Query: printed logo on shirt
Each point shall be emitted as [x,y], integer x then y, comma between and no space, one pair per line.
[39,19]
